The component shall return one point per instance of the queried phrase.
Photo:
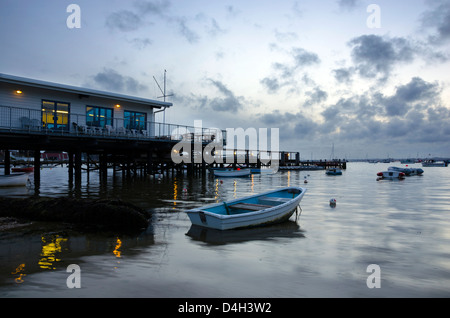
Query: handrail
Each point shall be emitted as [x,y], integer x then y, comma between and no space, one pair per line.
[31,120]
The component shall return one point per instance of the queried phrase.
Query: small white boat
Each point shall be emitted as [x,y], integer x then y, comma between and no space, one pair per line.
[407,171]
[390,175]
[231,172]
[432,163]
[258,210]
[14,180]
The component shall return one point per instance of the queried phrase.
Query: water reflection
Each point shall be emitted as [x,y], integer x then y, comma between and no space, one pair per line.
[288,229]
[19,274]
[51,248]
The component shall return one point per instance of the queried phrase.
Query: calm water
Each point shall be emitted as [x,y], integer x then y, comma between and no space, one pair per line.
[402,226]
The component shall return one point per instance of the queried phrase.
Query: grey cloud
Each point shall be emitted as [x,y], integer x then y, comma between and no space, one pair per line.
[226,102]
[146,12]
[438,19]
[124,21]
[375,56]
[111,80]
[343,75]
[153,7]
[409,95]
[349,4]
[286,73]
[271,84]
[316,96]
[304,58]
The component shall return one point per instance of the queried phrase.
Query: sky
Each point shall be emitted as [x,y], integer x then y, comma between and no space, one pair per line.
[369,77]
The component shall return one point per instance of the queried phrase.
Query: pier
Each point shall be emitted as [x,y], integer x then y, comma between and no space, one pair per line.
[132,155]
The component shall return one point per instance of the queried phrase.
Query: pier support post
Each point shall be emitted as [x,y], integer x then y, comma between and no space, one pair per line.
[7,163]
[37,168]
[77,168]
[70,168]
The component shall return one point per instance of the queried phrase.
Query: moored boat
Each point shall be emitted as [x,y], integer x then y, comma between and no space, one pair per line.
[391,175]
[407,171]
[432,163]
[23,169]
[334,172]
[14,180]
[257,210]
[231,172]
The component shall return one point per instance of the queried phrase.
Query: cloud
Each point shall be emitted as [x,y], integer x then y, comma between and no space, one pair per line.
[349,4]
[225,102]
[417,93]
[375,56]
[286,72]
[316,96]
[438,19]
[111,80]
[343,75]
[124,20]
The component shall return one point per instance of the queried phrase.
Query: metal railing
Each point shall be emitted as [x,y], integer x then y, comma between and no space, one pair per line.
[15,119]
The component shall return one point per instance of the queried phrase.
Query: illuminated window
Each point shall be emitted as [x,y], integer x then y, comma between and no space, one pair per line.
[99,116]
[135,120]
[55,115]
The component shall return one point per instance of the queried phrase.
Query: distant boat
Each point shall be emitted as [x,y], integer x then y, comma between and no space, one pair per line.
[232,172]
[334,172]
[305,167]
[257,210]
[262,170]
[14,180]
[391,175]
[22,169]
[432,163]
[407,171]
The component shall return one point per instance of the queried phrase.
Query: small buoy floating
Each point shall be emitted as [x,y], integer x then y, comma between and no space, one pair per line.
[333,202]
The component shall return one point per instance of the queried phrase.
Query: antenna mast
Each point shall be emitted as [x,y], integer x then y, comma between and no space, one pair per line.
[163,92]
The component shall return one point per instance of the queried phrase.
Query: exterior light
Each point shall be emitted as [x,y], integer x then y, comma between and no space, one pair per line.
[117,106]
[18,92]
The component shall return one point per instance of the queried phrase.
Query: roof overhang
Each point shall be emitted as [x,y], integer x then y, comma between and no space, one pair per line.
[84,92]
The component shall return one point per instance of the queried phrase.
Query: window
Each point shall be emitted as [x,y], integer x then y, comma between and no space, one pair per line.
[135,120]
[55,115]
[99,116]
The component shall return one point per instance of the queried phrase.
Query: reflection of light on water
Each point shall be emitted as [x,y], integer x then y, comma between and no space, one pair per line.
[19,271]
[49,251]
[175,193]
[289,179]
[117,251]
[216,191]
[235,189]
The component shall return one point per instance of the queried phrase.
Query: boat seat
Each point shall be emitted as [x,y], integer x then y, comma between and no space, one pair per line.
[273,199]
[249,206]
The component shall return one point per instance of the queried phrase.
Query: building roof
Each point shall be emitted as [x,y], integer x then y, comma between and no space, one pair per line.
[81,91]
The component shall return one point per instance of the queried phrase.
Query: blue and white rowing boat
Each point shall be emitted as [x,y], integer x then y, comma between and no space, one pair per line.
[257,210]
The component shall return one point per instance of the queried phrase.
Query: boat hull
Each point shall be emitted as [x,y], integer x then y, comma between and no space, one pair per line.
[14,180]
[232,173]
[391,175]
[267,216]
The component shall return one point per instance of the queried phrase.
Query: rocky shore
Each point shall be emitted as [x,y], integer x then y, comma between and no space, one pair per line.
[87,214]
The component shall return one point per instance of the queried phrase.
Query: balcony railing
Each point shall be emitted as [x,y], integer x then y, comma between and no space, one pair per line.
[23,120]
